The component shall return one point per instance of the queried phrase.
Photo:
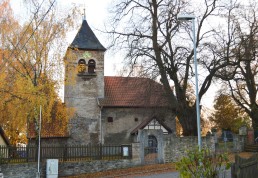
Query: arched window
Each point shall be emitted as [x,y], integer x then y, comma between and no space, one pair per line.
[81,66]
[91,66]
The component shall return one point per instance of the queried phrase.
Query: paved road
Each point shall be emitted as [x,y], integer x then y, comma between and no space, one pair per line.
[176,175]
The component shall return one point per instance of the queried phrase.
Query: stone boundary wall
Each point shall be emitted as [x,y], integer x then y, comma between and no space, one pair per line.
[23,170]
[176,147]
[76,168]
[239,142]
[237,145]
[29,170]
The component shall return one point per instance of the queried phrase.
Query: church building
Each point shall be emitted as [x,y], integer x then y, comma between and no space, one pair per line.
[108,109]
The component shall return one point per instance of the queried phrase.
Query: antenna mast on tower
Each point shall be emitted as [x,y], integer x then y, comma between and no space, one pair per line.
[84,15]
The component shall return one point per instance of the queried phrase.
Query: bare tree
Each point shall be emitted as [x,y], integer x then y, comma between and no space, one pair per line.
[153,37]
[242,79]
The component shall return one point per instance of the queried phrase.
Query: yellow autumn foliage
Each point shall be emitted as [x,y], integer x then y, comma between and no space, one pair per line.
[31,61]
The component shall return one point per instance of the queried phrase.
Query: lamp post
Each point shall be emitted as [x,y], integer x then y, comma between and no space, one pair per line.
[192,17]
[36,75]
[40,115]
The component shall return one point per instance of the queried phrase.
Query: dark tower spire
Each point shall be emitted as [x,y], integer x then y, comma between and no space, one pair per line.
[86,39]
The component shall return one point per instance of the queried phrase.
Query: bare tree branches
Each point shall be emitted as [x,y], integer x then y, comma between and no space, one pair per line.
[151,33]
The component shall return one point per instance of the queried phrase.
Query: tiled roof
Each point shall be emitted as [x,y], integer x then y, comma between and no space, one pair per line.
[52,129]
[133,92]
[86,39]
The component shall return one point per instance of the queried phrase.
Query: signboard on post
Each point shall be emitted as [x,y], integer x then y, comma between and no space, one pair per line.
[125,150]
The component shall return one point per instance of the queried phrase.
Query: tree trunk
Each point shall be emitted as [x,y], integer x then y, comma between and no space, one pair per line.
[188,121]
[254,117]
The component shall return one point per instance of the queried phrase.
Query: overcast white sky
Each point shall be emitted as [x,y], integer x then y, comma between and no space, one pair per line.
[96,10]
[96,15]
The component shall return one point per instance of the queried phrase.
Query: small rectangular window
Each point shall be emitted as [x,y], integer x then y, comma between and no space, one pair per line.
[110,119]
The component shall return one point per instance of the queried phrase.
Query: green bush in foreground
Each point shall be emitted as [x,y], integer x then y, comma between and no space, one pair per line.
[202,164]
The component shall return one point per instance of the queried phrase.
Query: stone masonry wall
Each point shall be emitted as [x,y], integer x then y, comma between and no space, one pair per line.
[29,170]
[127,119]
[238,143]
[176,147]
[80,94]
[23,170]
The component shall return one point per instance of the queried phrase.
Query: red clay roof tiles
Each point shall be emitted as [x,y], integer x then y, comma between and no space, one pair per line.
[133,92]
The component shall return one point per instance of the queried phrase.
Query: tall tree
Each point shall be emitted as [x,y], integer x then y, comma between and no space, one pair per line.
[31,68]
[228,115]
[241,47]
[152,36]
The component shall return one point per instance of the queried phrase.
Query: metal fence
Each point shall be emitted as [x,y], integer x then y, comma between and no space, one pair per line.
[13,154]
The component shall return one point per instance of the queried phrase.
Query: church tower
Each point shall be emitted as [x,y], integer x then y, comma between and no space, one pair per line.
[84,84]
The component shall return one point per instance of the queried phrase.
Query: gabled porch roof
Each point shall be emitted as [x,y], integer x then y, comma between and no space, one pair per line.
[145,122]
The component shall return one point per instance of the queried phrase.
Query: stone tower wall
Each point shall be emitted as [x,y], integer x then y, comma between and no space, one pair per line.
[81,93]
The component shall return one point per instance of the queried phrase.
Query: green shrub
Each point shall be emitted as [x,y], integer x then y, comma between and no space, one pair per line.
[202,164]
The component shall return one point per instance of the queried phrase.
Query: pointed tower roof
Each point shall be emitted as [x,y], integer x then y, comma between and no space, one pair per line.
[86,39]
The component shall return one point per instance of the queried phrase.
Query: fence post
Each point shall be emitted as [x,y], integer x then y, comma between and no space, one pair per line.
[65,152]
[1,155]
[233,170]
[27,153]
[136,152]
[10,153]
[100,153]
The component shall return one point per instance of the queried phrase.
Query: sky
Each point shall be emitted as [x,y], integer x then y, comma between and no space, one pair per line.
[96,16]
